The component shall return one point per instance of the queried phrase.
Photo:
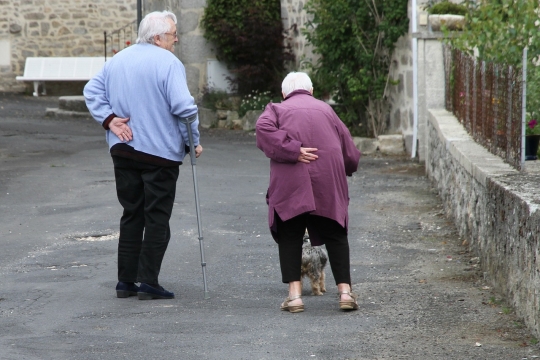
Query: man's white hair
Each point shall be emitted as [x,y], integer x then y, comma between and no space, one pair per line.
[154,24]
[296,81]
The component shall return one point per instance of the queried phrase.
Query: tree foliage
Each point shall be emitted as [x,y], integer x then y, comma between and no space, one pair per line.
[248,36]
[500,29]
[355,40]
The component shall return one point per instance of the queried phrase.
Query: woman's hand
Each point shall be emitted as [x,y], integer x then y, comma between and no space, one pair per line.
[306,155]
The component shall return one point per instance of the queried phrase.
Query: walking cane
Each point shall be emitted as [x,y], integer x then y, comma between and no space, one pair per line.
[188,121]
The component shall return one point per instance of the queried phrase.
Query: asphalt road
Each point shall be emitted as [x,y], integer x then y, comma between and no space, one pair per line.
[422,295]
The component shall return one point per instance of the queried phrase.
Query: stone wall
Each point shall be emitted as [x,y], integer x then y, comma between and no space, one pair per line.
[55,28]
[400,96]
[192,48]
[295,19]
[494,207]
[430,84]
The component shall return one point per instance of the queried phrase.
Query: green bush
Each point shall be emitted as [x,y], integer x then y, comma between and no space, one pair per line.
[447,7]
[248,36]
[533,92]
[355,40]
[499,30]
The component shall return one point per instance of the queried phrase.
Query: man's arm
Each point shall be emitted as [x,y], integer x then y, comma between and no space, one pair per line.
[95,96]
[97,102]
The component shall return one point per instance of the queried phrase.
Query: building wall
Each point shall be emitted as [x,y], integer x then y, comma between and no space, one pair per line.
[295,19]
[58,28]
[192,48]
[400,96]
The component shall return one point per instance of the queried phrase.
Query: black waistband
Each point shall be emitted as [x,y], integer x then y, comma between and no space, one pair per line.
[126,151]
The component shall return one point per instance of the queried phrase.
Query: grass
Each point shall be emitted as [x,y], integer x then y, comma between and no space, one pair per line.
[494,301]
[506,310]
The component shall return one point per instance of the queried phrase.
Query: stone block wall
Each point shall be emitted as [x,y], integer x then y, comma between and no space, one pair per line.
[192,48]
[55,28]
[494,207]
[295,19]
[400,96]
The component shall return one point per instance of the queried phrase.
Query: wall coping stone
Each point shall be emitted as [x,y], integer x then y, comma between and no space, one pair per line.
[474,158]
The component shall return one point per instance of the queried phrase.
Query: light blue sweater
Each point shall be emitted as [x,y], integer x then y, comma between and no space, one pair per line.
[148,85]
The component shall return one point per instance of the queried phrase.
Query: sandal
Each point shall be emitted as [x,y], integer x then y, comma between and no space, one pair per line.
[292,308]
[348,304]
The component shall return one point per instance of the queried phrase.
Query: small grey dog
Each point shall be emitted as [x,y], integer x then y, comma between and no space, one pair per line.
[314,259]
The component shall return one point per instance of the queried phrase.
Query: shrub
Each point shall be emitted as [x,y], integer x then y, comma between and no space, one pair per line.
[533,91]
[248,36]
[512,23]
[447,7]
[355,40]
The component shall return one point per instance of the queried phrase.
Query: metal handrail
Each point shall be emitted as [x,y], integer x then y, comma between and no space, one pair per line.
[124,37]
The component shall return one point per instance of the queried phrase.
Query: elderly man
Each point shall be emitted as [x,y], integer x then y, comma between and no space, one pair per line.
[140,98]
[311,152]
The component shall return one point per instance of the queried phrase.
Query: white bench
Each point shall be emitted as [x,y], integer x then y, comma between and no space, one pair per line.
[41,69]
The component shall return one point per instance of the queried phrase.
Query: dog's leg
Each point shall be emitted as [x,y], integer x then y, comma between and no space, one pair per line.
[315,285]
[322,285]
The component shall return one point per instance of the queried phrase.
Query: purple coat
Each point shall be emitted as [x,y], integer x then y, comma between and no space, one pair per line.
[319,187]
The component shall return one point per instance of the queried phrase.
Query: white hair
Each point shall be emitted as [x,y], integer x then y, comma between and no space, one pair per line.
[295,81]
[154,24]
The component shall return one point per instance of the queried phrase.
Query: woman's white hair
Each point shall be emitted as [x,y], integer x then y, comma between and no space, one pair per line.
[154,24]
[296,81]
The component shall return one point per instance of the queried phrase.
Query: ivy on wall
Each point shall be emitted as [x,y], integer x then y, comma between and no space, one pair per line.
[355,39]
[248,37]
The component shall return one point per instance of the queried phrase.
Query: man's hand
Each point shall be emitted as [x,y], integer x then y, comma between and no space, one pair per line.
[306,155]
[120,128]
[198,151]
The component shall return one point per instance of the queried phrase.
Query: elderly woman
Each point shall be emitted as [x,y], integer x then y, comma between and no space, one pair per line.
[311,152]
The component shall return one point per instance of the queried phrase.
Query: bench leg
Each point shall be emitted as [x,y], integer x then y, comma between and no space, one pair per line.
[36,88]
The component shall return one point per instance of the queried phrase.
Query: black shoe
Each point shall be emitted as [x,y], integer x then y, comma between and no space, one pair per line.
[126,289]
[147,292]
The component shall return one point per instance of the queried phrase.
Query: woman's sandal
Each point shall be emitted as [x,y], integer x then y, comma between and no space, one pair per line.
[348,304]
[292,308]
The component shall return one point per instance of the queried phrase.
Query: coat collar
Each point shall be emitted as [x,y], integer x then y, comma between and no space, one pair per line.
[298,92]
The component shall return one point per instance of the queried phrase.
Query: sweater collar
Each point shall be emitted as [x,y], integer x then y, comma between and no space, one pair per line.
[298,92]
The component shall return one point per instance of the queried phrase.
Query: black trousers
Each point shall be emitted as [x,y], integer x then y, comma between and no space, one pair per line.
[146,192]
[291,237]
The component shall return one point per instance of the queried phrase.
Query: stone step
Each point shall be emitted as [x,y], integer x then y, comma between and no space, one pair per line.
[72,103]
[66,114]
[384,144]
[69,107]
